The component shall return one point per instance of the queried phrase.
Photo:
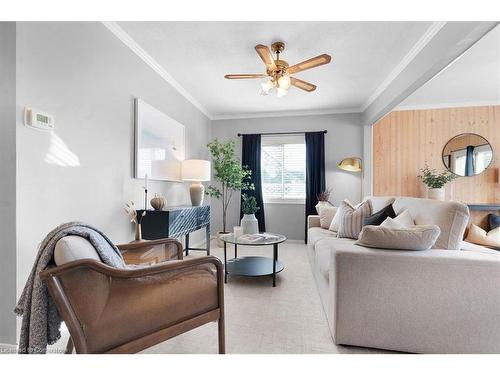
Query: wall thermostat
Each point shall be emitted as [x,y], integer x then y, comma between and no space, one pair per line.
[34,118]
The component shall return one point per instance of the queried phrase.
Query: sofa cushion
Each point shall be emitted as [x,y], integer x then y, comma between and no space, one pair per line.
[326,215]
[71,248]
[451,217]
[317,233]
[378,217]
[417,237]
[323,253]
[351,219]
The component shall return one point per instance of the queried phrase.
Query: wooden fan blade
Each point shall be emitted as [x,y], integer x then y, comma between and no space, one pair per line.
[265,55]
[244,76]
[308,64]
[306,86]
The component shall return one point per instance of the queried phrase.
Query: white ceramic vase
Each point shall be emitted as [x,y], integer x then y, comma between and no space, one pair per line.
[250,224]
[322,204]
[436,193]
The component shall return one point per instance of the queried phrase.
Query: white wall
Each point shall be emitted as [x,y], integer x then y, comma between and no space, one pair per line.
[83,75]
[7,181]
[344,138]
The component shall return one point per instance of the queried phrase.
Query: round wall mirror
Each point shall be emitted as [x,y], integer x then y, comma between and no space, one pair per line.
[467,154]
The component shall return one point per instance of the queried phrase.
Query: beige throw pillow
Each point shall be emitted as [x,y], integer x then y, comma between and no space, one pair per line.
[335,224]
[403,220]
[71,248]
[479,236]
[351,219]
[326,215]
[417,237]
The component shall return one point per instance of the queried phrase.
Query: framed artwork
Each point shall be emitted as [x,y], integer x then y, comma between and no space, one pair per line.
[159,144]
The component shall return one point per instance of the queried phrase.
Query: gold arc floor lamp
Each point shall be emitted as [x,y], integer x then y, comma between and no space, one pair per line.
[353,164]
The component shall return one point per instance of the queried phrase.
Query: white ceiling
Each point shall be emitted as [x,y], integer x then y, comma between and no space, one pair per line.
[472,79]
[198,54]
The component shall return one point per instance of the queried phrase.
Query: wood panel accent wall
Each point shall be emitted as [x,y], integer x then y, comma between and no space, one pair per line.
[403,141]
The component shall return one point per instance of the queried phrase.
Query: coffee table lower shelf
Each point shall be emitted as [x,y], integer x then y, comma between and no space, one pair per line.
[253,266]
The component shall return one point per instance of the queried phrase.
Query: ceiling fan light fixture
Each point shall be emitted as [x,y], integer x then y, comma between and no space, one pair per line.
[266,87]
[284,82]
[280,92]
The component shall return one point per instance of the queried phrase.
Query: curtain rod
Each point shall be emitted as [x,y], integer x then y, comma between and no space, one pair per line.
[283,133]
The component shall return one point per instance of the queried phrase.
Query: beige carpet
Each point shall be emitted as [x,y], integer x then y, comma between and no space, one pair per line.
[262,319]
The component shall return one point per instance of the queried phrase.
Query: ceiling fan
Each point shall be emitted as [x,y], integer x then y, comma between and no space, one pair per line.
[278,71]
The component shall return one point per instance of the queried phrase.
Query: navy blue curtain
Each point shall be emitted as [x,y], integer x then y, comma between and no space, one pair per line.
[250,156]
[469,161]
[315,171]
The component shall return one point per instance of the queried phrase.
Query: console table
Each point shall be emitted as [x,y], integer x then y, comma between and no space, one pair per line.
[175,222]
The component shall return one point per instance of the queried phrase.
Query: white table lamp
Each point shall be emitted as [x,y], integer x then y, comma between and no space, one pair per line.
[196,170]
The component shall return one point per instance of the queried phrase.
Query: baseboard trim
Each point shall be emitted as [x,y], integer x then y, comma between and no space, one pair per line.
[8,348]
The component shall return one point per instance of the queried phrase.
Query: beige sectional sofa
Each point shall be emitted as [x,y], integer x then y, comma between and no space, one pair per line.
[443,300]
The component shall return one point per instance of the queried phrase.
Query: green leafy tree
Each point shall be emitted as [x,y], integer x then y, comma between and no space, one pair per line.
[229,172]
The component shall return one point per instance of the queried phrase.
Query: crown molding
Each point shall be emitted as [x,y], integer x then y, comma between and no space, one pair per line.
[312,112]
[123,36]
[126,39]
[418,107]
[407,59]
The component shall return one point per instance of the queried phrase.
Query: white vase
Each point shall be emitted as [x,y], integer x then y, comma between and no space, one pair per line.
[322,204]
[436,193]
[250,224]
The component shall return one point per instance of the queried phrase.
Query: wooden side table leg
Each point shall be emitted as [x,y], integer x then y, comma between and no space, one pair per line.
[187,244]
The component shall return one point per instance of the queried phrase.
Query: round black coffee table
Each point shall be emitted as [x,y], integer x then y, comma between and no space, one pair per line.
[253,265]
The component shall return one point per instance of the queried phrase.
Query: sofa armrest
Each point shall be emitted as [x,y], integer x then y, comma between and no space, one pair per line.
[313,221]
[416,301]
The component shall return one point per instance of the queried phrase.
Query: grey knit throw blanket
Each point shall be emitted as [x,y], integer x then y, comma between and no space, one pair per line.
[41,321]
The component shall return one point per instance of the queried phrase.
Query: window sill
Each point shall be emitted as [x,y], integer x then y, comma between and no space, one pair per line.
[285,202]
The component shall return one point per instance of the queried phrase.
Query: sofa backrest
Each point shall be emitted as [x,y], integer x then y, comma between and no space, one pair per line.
[450,216]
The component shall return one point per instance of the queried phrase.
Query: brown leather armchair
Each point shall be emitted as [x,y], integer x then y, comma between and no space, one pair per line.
[110,310]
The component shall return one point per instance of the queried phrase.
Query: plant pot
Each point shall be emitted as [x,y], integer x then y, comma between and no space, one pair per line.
[250,224]
[322,204]
[220,243]
[436,193]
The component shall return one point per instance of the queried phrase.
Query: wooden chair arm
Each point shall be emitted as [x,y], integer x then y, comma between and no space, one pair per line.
[156,269]
[139,249]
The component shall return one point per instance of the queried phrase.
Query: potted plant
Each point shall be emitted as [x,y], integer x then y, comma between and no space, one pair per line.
[231,175]
[435,181]
[249,222]
[324,199]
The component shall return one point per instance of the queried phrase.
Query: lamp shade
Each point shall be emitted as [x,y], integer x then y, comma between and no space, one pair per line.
[351,164]
[196,170]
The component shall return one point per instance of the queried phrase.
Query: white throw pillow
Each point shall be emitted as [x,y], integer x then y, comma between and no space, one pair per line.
[351,218]
[72,248]
[326,215]
[403,220]
[479,236]
[334,225]
[417,237]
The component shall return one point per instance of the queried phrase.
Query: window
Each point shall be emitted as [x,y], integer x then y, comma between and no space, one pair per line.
[283,165]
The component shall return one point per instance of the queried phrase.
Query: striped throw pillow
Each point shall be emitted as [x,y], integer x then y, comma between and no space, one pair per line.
[351,218]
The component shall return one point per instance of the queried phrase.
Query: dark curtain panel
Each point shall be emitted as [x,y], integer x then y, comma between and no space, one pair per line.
[469,161]
[250,156]
[315,171]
